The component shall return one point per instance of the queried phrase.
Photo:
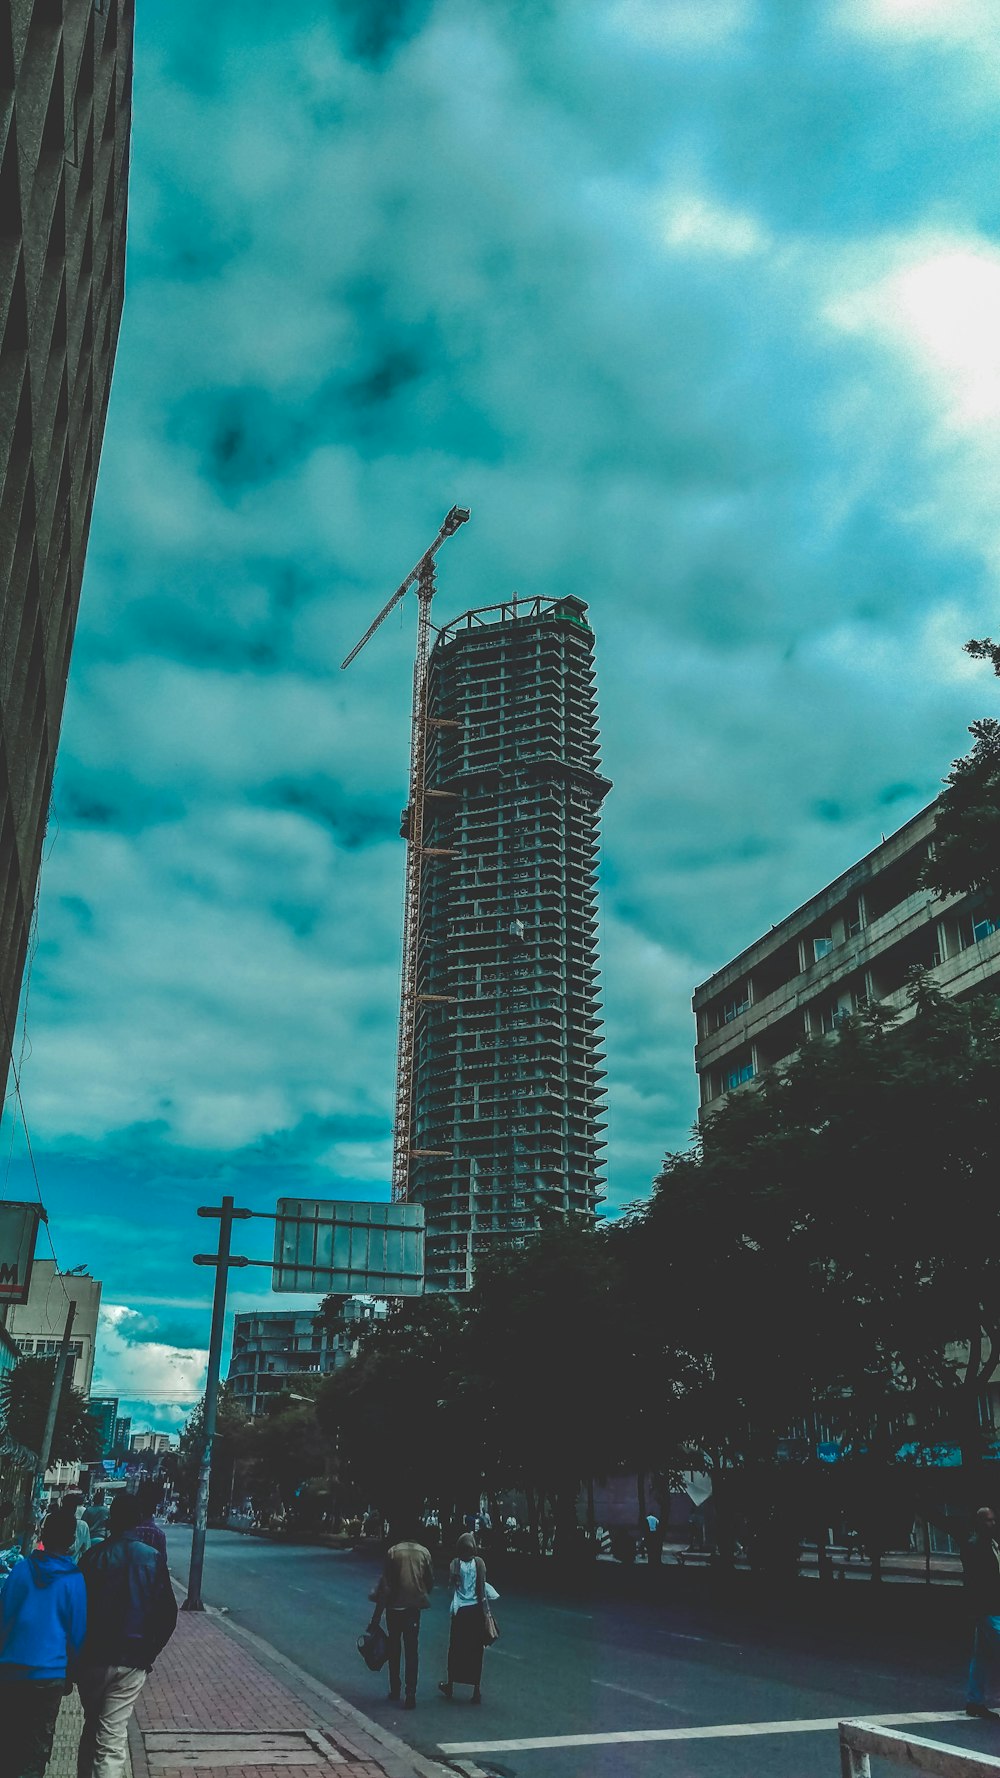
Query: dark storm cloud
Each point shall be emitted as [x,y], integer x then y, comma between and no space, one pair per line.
[694,304]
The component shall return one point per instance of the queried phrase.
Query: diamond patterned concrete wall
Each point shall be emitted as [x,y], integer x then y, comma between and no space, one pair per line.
[65,110]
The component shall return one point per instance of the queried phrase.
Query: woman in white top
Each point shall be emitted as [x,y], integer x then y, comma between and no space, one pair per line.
[467,1580]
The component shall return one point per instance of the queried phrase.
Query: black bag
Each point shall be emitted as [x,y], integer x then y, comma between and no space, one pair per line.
[373,1646]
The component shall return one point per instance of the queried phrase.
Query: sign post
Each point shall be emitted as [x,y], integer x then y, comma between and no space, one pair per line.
[320,1245]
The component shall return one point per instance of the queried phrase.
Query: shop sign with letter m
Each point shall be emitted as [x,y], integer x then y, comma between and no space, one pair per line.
[18,1233]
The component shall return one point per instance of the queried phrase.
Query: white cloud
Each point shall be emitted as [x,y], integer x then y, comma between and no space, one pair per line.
[940,304]
[146,1374]
[683,26]
[694,224]
[947,21]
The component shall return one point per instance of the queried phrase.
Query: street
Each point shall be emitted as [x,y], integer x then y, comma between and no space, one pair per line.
[666,1688]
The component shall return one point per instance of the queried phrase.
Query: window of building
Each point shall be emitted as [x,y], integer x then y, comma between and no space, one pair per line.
[832,1017]
[983,927]
[852,919]
[737,1074]
[738,1004]
[822,946]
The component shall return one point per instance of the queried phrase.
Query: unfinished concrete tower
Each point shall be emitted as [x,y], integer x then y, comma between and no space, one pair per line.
[507,1085]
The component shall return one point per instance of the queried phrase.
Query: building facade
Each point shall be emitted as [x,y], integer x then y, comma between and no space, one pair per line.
[36,1327]
[65,109]
[508,1079]
[271,1345]
[852,944]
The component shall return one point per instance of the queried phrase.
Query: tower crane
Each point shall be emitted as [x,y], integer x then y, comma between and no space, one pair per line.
[423,576]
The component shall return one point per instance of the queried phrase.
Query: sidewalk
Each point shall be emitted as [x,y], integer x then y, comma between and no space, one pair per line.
[221,1704]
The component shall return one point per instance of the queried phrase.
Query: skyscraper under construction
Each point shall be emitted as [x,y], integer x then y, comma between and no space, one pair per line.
[507,1092]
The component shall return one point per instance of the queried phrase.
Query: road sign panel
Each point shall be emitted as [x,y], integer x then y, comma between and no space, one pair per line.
[18,1233]
[354,1249]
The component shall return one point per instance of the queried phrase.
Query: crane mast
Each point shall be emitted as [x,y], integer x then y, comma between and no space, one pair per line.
[423,576]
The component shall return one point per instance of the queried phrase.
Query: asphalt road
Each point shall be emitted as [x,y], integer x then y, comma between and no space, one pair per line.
[565,1671]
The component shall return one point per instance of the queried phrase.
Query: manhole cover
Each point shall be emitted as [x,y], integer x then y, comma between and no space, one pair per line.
[169,1749]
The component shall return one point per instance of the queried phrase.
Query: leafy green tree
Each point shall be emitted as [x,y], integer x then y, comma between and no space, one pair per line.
[966,855]
[184,1464]
[25,1394]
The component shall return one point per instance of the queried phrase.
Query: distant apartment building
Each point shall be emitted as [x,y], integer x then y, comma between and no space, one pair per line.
[65,104]
[508,1083]
[104,1410]
[36,1327]
[154,1443]
[852,944]
[270,1345]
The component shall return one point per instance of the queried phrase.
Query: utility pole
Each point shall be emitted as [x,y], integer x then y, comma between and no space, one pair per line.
[221,1260]
[48,1435]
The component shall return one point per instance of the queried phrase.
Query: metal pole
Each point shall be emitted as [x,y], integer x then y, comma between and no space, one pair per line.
[194,1602]
[49,1434]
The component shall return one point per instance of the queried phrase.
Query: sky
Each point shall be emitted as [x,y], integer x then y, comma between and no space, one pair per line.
[693,302]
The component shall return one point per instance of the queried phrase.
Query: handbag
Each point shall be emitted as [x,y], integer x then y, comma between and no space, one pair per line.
[373,1646]
[491,1629]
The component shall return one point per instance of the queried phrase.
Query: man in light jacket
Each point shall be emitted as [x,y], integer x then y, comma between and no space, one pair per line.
[406,1581]
[131,1615]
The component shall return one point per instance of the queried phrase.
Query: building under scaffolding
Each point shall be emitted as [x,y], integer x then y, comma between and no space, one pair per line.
[507,1092]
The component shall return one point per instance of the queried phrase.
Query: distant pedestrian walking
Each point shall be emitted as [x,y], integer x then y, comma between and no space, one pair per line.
[981,1562]
[403,1593]
[131,1615]
[470,1594]
[43,1617]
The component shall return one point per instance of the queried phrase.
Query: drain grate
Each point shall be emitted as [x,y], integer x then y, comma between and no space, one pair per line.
[168,1749]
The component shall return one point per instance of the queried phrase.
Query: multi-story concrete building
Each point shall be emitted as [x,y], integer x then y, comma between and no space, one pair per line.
[508,1083]
[104,1409]
[851,944]
[65,107]
[36,1327]
[271,1345]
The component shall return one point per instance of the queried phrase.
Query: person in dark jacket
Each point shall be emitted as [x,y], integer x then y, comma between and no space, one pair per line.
[131,1615]
[981,1563]
[43,1617]
[405,1583]
[148,1495]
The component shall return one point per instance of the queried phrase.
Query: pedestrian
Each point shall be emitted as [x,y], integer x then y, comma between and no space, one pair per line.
[654,1541]
[96,1515]
[131,1614]
[148,1531]
[43,1617]
[981,1565]
[469,1597]
[403,1592]
[82,1539]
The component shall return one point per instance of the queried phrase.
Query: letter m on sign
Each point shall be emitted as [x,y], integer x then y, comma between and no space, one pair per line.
[18,1234]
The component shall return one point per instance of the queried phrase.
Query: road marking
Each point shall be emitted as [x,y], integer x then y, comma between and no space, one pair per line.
[647,1697]
[508,1655]
[567,1611]
[712,1732]
[711,1641]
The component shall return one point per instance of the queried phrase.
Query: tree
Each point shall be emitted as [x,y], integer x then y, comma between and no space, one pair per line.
[25,1394]
[966,855]
[184,1464]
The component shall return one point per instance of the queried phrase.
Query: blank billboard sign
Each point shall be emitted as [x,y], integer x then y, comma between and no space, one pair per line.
[353,1249]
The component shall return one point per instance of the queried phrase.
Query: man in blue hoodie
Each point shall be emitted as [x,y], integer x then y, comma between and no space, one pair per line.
[43,1618]
[131,1615]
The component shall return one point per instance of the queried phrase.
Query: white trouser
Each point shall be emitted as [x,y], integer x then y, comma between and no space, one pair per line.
[108,1696]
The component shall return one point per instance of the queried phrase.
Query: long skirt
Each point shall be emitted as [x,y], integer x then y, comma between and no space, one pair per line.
[465,1646]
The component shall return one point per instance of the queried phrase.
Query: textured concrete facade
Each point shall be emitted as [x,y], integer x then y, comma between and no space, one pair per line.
[65,109]
[851,944]
[509,1087]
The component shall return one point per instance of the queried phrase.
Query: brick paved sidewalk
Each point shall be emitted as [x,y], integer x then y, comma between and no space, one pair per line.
[221,1704]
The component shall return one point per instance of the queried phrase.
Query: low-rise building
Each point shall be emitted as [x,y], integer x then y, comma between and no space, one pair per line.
[36,1327]
[271,1345]
[851,944]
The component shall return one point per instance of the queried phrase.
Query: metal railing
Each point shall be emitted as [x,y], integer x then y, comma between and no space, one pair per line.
[860,1740]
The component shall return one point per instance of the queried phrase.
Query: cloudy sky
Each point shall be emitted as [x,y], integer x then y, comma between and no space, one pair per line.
[694,302]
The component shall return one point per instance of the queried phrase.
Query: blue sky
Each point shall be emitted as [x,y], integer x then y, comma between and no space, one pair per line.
[694,303]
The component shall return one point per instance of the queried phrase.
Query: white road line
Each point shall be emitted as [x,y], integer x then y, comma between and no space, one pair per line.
[713,1732]
[567,1611]
[647,1697]
[712,1641]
